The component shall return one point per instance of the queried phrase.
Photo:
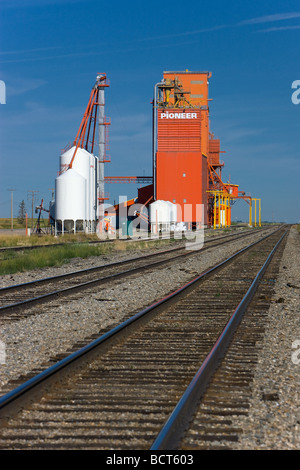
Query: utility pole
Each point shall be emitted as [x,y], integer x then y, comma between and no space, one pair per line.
[11,208]
[33,193]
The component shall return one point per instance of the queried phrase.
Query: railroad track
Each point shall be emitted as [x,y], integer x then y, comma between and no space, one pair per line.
[4,249]
[130,388]
[16,299]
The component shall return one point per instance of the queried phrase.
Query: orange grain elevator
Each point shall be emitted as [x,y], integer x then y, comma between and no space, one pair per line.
[181,143]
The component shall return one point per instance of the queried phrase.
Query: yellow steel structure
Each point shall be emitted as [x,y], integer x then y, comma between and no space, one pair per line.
[222,205]
[259,211]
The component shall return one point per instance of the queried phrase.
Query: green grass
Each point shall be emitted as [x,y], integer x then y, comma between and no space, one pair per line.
[6,224]
[41,257]
[15,261]
[10,240]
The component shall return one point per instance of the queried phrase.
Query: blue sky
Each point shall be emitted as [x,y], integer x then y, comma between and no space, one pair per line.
[52,50]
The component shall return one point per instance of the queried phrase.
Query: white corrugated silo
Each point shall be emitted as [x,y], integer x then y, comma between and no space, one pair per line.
[70,207]
[172,212]
[85,164]
[159,216]
[92,216]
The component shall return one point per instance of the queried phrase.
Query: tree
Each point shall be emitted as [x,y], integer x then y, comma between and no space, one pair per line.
[22,212]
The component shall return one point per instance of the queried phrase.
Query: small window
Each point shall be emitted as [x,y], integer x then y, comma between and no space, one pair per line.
[184,175]
[184,200]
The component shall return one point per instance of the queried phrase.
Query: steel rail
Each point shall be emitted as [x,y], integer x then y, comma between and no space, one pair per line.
[71,289]
[91,242]
[8,400]
[175,426]
[52,245]
[109,265]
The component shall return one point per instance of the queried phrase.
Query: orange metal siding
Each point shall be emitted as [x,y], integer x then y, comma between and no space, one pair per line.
[204,184]
[233,189]
[181,178]
[214,151]
[182,146]
[177,134]
[196,83]
[205,132]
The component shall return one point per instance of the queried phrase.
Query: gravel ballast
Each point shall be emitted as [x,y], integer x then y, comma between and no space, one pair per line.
[272,423]
[58,325]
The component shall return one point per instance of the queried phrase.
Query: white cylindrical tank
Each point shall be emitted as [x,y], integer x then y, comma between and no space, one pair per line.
[92,188]
[84,164]
[172,212]
[159,212]
[70,191]
[81,161]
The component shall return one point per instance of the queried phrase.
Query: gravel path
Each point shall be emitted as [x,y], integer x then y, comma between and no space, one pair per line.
[274,417]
